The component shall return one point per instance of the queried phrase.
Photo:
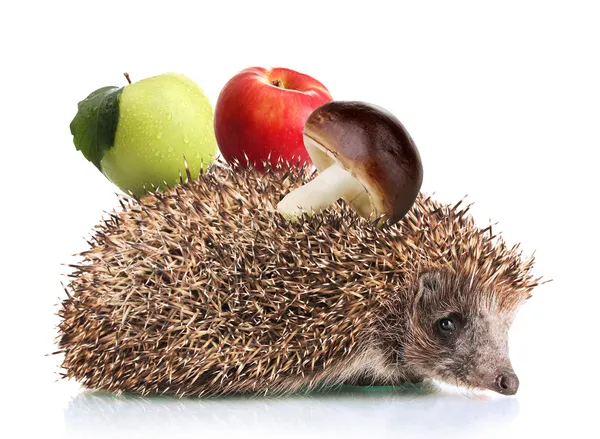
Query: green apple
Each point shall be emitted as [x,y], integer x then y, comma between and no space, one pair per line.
[140,136]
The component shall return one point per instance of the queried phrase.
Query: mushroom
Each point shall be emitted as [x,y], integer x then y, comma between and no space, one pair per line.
[364,155]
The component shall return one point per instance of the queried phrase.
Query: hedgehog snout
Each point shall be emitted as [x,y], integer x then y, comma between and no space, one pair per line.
[505,383]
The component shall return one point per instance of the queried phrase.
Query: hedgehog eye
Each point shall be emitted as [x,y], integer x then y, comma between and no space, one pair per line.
[447,325]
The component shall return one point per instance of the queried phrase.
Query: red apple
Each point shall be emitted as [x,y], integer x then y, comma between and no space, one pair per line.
[260,114]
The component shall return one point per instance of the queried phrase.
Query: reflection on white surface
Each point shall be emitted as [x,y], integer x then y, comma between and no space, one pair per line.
[345,412]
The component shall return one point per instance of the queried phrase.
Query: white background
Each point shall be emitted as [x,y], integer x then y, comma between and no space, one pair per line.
[502,99]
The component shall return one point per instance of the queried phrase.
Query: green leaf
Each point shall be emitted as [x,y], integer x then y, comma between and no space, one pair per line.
[95,124]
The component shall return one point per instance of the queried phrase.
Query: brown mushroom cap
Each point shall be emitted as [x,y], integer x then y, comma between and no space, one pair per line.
[373,145]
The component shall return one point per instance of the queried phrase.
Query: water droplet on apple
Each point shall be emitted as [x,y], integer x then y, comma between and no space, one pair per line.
[156,153]
[169,116]
[186,139]
[170,149]
[159,135]
[180,124]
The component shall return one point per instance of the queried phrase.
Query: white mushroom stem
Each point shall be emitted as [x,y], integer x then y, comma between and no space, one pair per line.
[315,196]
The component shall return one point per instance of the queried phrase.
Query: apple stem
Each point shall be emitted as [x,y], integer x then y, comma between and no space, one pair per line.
[328,187]
[277,83]
[127,77]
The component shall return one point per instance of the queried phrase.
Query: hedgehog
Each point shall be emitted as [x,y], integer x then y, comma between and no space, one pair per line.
[205,289]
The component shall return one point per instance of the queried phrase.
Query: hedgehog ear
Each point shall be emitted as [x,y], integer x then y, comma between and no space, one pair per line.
[429,282]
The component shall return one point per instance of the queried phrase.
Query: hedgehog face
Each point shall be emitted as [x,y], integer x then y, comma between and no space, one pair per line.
[459,335]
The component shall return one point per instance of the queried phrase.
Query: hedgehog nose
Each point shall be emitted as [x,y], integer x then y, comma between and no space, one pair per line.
[507,383]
